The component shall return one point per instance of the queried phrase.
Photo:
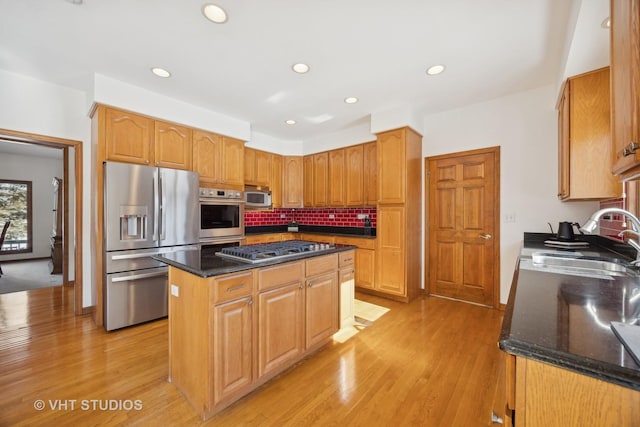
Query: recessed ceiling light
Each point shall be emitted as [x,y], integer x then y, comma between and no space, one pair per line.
[214,13]
[435,70]
[300,68]
[606,23]
[290,122]
[351,100]
[160,72]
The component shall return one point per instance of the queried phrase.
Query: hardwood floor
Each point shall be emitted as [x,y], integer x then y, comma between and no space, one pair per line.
[433,362]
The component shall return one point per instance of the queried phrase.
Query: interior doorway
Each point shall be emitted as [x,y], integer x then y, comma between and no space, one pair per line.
[462,241]
[72,155]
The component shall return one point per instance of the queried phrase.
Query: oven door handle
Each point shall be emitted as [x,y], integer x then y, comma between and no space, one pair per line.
[137,277]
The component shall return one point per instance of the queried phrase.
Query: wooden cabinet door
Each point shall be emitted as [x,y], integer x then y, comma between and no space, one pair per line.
[365,268]
[281,327]
[391,250]
[292,182]
[563,144]
[263,168]
[320,179]
[392,174]
[207,148]
[625,85]
[233,163]
[275,180]
[128,137]
[370,174]
[307,193]
[232,347]
[322,308]
[347,295]
[173,146]
[249,165]
[336,177]
[354,175]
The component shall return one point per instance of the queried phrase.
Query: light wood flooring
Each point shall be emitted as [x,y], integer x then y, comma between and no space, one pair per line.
[432,362]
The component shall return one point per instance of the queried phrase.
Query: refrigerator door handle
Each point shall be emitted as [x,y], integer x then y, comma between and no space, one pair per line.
[137,277]
[155,205]
[163,201]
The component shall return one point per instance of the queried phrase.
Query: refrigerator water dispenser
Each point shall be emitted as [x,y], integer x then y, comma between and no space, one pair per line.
[133,223]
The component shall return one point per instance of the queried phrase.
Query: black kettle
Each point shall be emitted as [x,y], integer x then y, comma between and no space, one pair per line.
[565,230]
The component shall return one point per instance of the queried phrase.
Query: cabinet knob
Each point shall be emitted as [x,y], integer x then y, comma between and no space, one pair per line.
[630,148]
[250,302]
[146,161]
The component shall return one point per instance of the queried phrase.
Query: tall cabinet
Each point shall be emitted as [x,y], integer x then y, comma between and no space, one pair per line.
[399,213]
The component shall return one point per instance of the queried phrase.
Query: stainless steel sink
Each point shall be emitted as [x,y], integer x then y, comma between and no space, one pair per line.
[579,265]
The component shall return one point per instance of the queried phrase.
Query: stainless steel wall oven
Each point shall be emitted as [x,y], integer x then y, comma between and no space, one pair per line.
[221,214]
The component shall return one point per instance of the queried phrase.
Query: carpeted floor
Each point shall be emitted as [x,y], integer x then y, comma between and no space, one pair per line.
[24,275]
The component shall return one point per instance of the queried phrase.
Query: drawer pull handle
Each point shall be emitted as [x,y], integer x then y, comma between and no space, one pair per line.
[631,148]
[348,259]
[235,288]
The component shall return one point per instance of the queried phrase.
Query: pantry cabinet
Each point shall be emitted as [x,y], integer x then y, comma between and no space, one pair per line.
[584,139]
[625,87]
[292,185]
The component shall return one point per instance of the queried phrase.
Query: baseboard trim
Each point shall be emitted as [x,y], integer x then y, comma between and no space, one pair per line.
[88,310]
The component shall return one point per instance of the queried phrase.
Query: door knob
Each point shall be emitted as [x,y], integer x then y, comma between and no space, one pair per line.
[486,236]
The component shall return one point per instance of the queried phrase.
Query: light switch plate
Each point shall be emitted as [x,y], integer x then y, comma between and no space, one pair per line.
[175,290]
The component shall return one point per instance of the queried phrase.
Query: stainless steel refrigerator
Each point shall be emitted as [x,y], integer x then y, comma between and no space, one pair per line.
[147,211]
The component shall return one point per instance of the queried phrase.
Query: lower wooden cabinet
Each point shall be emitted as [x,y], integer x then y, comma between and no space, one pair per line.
[540,394]
[321,307]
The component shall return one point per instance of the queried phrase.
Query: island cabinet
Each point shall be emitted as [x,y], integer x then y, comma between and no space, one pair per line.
[231,333]
[625,87]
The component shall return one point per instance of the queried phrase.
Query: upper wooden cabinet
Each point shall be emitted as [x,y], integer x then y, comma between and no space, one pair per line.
[392,177]
[292,185]
[625,87]
[128,137]
[307,181]
[336,178]
[354,175]
[370,173]
[320,179]
[172,146]
[219,160]
[257,167]
[275,181]
[584,134]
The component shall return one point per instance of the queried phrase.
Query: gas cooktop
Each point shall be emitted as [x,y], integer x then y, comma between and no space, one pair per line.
[272,251]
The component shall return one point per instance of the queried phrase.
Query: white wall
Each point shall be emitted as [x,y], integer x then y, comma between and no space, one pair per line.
[524,125]
[33,106]
[40,171]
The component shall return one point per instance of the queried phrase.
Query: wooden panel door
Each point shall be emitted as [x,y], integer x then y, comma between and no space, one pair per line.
[128,137]
[563,144]
[391,250]
[336,178]
[207,148]
[365,268]
[173,147]
[392,174]
[275,180]
[249,165]
[263,168]
[292,182]
[232,347]
[370,174]
[307,193]
[233,163]
[281,327]
[354,175]
[463,226]
[322,308]
[320,179]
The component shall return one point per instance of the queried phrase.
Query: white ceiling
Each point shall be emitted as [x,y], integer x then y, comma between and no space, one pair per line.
[375,50]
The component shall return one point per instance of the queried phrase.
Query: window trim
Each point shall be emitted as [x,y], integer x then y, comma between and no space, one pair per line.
[29,248]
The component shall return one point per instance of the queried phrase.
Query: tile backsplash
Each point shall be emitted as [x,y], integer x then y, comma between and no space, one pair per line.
[611,224]
[334,217]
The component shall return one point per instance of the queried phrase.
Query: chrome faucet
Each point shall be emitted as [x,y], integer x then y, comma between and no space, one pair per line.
[592,223]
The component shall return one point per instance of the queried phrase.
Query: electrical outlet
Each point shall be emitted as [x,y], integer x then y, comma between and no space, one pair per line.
[362,216]
[175,290]
[510,217]
[332,216]
[283,216]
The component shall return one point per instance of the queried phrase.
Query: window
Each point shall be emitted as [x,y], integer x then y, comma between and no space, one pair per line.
[15,206]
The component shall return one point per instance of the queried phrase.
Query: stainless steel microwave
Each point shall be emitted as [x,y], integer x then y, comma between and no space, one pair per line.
[257,197]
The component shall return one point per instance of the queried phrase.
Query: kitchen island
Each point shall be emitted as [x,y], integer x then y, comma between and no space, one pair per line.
[564,364]
[235,325]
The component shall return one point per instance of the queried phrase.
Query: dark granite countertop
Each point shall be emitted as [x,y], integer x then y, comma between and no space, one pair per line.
[565,320]
[314,229]
[205,263]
